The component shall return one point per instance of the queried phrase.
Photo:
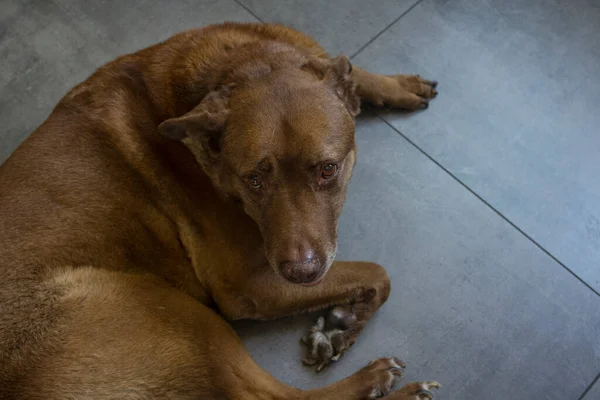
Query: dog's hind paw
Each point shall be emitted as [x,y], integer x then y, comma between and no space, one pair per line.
[376,379]
[415,391]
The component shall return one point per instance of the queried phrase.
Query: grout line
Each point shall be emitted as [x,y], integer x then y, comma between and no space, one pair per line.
[364,46]
[589,387]
[239,3]
[505,218]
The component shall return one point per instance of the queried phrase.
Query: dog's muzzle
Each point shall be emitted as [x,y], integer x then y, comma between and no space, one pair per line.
[304,272]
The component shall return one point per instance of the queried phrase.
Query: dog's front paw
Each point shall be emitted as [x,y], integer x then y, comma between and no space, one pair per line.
[415,391]
[321,349]
[406,91]
[329,337]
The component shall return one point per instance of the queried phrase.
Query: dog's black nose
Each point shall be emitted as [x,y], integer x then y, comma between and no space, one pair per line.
[305,271]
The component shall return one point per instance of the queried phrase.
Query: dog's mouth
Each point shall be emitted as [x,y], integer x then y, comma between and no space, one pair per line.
[313,283]
[311,279]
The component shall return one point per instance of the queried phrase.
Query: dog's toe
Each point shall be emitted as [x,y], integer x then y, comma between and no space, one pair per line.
[309,361]
[340,317]
[416,391]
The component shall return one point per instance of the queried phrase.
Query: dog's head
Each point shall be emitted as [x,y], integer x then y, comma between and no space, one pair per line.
[283,144]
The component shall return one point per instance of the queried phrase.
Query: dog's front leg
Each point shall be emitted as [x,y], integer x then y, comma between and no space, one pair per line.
[410,92]
[352,290]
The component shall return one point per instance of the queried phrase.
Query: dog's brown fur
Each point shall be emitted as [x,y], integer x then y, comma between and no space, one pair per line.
[185,183]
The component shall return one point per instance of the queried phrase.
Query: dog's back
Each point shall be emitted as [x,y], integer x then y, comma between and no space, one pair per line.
[96,185]
[114,240]
[79,191]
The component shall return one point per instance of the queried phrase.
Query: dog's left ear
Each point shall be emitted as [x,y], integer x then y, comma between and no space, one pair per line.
[204,124]
[337,72]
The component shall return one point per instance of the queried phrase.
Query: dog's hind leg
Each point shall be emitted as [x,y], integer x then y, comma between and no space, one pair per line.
[375,380]
[127,336]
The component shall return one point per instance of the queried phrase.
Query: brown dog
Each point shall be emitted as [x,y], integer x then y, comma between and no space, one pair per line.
[119,241]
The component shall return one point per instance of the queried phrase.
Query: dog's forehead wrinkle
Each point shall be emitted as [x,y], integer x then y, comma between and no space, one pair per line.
[295,123]
[313,137]
[254,163]
[246,145]
[319,147]
[271,149]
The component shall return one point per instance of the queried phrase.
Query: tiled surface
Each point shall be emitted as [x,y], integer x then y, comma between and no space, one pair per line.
[42,57]
[134,25]
[338,25]
[518,117]
[47,47]
[475,303]
[594,393]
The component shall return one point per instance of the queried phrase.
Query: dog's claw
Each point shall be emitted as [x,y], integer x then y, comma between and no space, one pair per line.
[424,103]
[400,363]
[309,361]
[415,391]
[424,394]
[380,376]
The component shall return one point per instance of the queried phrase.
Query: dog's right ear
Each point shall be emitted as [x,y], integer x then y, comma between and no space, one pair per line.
[204,124]
[337,72]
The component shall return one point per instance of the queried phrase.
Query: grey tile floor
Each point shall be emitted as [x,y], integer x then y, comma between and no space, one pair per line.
[485,208]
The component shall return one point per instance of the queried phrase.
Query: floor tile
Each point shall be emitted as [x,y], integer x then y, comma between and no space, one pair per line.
[40,34]
[517,117]
[594,393]
[45,56]
[13,21]
[134,25]
[474,304]
[340,25]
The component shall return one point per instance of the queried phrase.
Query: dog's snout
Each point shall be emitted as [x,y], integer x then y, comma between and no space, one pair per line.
[299,262]
[300,265]
[305,271]
[298,254]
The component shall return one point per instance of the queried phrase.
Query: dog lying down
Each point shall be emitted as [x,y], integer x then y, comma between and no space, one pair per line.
[191,183]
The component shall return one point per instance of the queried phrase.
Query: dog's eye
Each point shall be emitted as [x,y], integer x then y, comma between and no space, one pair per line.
[328,171]
[255,181]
